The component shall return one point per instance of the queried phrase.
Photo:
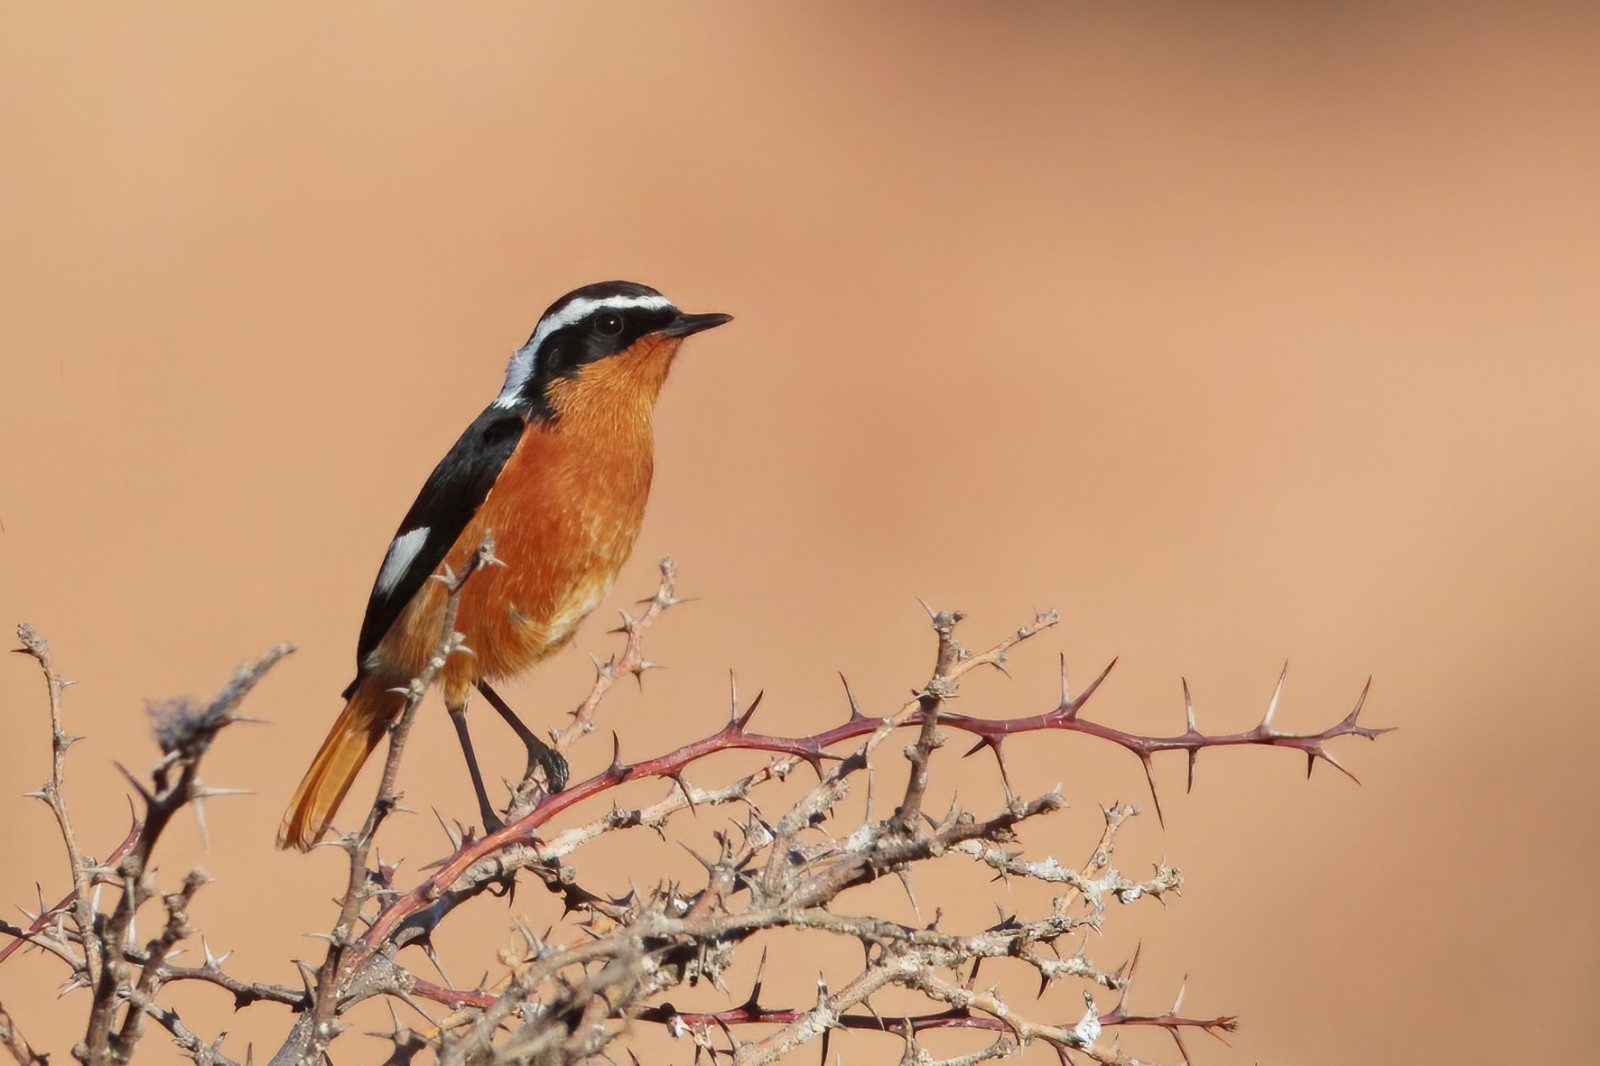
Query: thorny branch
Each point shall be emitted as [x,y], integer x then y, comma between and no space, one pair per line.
[17,1044]
[54,791]
[564,996]
[318,1025]
[100,948]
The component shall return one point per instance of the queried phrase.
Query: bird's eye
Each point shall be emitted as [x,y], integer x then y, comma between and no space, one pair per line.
[608,325]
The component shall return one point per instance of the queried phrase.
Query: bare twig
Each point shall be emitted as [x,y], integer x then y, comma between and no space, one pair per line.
[54,793]
[563,995]
[930,700]
[69,902]
[185,732]
[14,1042]
[318,1028]
[630,660]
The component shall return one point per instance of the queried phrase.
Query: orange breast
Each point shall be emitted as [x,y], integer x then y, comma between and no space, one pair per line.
[564,513]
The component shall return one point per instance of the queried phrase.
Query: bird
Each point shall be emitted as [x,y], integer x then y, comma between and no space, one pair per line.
[557,470]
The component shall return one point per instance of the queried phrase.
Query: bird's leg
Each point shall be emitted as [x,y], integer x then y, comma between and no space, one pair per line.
[539,753]
[458,718]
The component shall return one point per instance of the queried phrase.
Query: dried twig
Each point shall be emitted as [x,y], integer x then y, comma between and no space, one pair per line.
[54,792]
[317,1029]
[16,1044]
[99,948]
[562,996]
[630,660]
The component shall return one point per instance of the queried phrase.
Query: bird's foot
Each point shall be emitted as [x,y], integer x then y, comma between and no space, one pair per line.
[542,756]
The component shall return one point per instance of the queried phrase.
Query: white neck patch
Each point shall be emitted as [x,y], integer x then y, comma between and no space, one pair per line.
[523,360]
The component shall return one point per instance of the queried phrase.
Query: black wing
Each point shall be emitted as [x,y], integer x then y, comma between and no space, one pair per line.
[448,500]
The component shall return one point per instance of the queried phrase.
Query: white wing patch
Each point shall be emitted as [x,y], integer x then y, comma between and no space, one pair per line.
[522,363]
[402,553]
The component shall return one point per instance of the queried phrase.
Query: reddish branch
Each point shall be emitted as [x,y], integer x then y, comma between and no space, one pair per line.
[563,1002]
[735,735]
[48,915]
[476,864]
[751,1012]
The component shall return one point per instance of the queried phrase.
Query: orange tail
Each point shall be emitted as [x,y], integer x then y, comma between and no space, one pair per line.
[359,728]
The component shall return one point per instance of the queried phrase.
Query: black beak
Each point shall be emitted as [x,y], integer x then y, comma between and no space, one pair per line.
[684,325]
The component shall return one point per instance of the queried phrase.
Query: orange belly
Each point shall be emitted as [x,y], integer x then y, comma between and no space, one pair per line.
[564,514]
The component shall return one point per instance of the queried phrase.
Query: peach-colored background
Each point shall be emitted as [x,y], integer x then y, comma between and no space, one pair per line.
[1237,332]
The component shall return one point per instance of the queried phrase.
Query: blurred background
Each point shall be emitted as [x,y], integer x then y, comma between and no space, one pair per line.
[1238,333]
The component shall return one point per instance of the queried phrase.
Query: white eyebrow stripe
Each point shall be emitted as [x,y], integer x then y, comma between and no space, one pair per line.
[402,553]
[522,362]
[581,308]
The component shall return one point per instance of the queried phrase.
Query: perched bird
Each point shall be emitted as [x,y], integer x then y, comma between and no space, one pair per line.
[557,468]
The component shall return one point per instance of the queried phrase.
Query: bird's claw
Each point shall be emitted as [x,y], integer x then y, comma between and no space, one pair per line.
[552,762]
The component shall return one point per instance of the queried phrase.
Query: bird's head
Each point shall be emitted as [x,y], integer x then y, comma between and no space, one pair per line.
[610,344]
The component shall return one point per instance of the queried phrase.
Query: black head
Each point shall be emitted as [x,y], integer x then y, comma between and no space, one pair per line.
[590,324]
